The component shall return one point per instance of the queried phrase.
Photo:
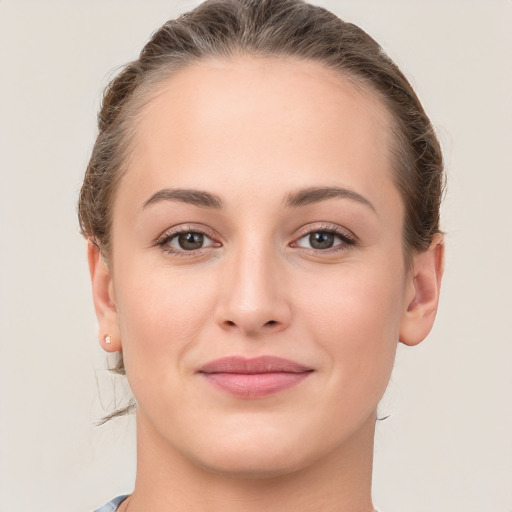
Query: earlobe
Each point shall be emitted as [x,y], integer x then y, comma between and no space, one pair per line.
[104,299]
[423,299]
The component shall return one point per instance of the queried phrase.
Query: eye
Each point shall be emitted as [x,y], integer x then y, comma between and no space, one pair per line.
[186,241]
[322,240]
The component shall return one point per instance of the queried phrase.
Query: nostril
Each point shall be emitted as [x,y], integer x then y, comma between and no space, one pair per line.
[230,323]
[271,322]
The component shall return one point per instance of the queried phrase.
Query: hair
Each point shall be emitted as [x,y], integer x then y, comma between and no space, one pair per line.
[265,28]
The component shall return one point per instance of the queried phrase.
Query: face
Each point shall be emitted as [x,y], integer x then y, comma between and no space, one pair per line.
[258,285]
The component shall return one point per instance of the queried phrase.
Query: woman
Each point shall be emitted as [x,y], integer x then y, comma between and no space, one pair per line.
[262,216]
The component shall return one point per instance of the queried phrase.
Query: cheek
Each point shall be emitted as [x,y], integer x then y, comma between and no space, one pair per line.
[161,314]
[357,324]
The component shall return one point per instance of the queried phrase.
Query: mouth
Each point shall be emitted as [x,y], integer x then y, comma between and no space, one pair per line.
[254,378]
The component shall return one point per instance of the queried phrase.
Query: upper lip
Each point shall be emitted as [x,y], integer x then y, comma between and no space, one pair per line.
[262,364]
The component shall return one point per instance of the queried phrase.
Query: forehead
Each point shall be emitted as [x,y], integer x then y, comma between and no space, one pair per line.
[220,121]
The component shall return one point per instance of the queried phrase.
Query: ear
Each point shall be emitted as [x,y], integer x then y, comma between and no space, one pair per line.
[104,300]
[423,293]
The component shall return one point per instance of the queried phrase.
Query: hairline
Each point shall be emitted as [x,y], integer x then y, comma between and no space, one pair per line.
[152,86]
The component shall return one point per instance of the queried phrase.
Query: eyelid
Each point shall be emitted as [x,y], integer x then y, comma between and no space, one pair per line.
[346,239]
[336,229]
[170,233]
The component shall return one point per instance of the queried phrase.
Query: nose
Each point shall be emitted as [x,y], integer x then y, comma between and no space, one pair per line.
[253,300]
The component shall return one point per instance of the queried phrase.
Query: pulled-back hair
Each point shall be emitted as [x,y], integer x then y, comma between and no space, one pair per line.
[265,28]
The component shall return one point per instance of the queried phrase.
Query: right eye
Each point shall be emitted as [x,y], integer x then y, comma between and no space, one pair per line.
[186,241]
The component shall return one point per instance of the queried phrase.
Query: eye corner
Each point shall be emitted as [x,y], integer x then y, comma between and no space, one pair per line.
[331,238]
[173,241]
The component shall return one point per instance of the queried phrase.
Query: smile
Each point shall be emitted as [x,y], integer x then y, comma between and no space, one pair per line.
[254,378]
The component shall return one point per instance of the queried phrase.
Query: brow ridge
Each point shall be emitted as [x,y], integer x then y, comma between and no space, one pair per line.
[296,199]
[313,195]
[185,195]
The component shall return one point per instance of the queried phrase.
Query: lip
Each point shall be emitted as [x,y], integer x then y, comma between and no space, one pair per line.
[254,377]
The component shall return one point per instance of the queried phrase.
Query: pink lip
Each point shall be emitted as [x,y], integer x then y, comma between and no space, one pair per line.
[254,378]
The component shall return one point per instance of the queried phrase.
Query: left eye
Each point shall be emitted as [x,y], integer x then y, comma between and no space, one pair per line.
[320,240]
[189,241]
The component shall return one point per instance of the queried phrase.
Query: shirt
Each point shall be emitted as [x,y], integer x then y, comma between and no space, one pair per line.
[112,505]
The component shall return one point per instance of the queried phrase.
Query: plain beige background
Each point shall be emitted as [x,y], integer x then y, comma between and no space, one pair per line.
[447,446]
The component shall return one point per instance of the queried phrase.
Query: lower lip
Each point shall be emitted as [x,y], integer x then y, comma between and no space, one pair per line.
[256,385]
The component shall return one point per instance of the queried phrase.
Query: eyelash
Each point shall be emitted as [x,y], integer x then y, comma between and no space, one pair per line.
[346,238]
[168,236]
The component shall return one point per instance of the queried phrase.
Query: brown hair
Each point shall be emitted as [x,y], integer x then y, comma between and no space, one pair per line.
[293,28]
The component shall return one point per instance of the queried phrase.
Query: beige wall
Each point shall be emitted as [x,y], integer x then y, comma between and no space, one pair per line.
[448,443]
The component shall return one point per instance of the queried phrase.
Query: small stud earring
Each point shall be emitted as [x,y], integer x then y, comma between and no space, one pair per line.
[108,339]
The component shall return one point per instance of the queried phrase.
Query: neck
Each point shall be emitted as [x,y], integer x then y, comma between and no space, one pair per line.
[168,481]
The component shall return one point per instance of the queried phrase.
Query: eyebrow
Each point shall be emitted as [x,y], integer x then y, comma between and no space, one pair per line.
[195,197]
[297,199]
[316,194]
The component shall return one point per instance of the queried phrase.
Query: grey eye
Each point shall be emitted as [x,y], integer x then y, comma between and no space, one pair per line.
[321,239]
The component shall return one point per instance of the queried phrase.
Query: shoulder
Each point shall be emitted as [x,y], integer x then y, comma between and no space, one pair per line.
[112,505]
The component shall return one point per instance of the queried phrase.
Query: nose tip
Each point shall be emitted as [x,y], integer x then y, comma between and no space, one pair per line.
[254,297]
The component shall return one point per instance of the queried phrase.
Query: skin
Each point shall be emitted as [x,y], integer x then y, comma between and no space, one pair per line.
[252,131]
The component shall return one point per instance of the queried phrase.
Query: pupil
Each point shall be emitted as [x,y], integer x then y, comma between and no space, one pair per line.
[321,240]
[190,241]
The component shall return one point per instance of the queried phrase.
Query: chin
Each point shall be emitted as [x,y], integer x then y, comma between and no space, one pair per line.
[257,455]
